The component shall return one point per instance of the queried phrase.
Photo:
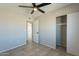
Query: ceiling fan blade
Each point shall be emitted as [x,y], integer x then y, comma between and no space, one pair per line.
[32,12]
[26,6]
[41,10]
[34,5]
[43,4]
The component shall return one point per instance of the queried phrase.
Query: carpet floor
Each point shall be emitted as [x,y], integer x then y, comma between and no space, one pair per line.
[34,49]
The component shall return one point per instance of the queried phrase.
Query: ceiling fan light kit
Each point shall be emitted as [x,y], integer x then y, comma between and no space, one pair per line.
[35,9]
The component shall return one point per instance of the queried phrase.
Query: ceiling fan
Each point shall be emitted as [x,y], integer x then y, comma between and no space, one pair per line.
[36,7]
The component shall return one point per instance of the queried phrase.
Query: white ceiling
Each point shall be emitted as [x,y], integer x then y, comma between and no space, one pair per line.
[47,8]
[27,11]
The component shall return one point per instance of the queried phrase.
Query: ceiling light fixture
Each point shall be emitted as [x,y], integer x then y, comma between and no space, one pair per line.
[35,9]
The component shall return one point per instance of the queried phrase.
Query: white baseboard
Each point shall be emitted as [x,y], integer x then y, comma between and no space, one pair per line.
[11,48]
[48,46]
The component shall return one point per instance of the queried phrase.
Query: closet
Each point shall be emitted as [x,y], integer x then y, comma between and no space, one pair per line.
[61,30]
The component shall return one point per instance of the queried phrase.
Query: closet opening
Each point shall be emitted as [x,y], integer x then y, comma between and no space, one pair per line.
[61,31]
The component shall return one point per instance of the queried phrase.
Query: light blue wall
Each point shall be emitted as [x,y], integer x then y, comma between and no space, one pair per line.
[12,28]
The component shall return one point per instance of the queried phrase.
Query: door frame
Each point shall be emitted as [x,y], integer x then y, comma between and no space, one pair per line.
[66,30]
[27,30]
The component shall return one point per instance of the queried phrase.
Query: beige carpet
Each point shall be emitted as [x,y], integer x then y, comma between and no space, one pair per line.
[33,49]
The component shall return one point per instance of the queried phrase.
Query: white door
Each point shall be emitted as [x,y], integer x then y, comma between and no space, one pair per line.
[73,33]
[36,31]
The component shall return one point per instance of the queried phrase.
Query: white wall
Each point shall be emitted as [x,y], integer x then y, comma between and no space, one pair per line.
[73,33]
[48,24]
[12,27]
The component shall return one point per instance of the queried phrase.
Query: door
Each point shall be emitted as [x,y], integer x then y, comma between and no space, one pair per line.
[36,31]
[73,33]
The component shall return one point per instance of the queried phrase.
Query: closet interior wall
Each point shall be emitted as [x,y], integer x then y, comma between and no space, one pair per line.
[61,26]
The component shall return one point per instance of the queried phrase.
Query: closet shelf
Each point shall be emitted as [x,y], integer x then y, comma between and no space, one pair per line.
[61,24]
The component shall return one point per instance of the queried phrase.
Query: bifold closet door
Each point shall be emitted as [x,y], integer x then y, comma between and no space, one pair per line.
[73,33]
